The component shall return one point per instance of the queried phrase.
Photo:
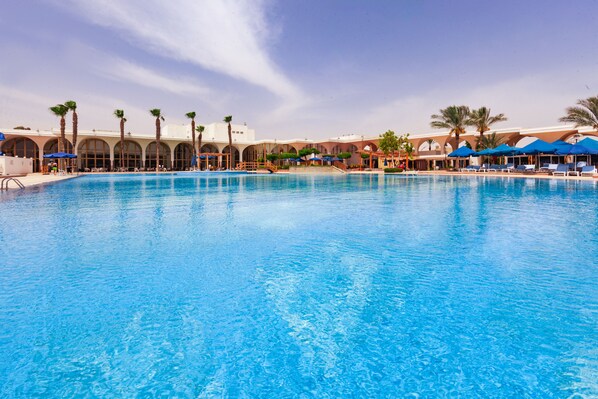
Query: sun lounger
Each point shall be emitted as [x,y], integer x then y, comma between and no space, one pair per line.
[494,168]
[549,167]
[588,170]
[561,170]
[483,168]
[525,168]
[510,167]
[544,167]
[470,168]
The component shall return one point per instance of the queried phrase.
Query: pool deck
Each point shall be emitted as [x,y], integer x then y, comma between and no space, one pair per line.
[508,175]
[35,179]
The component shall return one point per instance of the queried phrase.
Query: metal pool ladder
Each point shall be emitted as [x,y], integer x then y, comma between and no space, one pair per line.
[5,181]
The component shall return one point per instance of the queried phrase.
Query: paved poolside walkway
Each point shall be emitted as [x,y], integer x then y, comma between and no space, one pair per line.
[34,179]
[506,175]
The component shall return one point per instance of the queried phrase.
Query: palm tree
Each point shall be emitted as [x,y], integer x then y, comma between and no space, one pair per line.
[455,118]
[72,106]
[120,114]
[482,120]
[430,142]
[489,141]
[409,149]
[584,115]
[61,110]
[158,115]
[199,130]
[191,115]
[228,119]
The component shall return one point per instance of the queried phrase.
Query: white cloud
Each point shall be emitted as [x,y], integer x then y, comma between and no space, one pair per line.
[124,71]
[226,36]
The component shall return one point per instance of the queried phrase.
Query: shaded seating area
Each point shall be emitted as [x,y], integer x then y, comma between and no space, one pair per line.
[534,152]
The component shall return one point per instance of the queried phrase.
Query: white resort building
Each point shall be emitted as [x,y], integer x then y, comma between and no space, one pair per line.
[100,149]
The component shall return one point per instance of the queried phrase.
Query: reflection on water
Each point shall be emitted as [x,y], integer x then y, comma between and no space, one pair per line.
[202,285]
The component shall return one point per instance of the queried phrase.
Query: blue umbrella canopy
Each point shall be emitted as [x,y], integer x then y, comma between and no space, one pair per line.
[560,143]
[327,159]
[589,143]
[2,137]
[315,159]
[462,152]
[538,147]
[577,149]
[487,151]
[505,149]
[60,155]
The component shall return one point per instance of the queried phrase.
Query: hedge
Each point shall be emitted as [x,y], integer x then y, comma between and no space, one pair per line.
[393,170]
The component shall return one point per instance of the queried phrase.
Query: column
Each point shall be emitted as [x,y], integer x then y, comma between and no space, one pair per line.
[111,156]
[143,156]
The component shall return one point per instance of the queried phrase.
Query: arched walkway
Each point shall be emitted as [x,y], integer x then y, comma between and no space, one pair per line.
[282,148]
[429,146]
[51,147]
[235,160]
[132,155]
[22,147]
[94,153]
[251,153]
[150,156]
[369,146]
[183,153]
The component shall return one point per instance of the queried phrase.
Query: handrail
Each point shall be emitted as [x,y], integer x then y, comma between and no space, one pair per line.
[340,165]
[7,180]
[257,165]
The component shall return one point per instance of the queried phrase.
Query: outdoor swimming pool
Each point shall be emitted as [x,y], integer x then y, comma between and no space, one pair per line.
[200,285]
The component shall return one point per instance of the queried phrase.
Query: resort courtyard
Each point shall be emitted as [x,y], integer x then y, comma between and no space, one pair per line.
[298,199]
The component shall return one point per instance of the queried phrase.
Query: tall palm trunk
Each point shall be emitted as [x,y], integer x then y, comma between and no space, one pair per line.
[157,144]
[230,147]
[62,141]
[199,144]
[193,135]
[75,132]
[122,142]
[75,129]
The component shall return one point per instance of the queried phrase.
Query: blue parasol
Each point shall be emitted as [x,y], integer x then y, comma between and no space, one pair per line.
[462,152]
[60,155]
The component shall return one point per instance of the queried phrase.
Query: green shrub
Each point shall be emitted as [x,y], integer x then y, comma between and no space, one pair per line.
[393,170]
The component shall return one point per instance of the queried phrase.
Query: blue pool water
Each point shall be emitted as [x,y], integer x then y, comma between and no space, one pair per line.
[200,285]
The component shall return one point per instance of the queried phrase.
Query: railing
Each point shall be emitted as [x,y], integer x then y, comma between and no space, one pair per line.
[340,165]
[258,165]
[5,181]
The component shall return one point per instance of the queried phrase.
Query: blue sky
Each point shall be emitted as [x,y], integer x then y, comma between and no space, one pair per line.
[295,68]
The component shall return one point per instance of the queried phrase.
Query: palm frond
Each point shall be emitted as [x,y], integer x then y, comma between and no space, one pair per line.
[584,115]
[190,115]
[454,118]
[119,113]
[200,128]
[156,112]
[228,119]
[482,120]
[71,105]
[59,110]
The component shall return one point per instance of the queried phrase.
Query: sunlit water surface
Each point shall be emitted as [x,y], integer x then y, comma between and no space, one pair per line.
[222,285]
